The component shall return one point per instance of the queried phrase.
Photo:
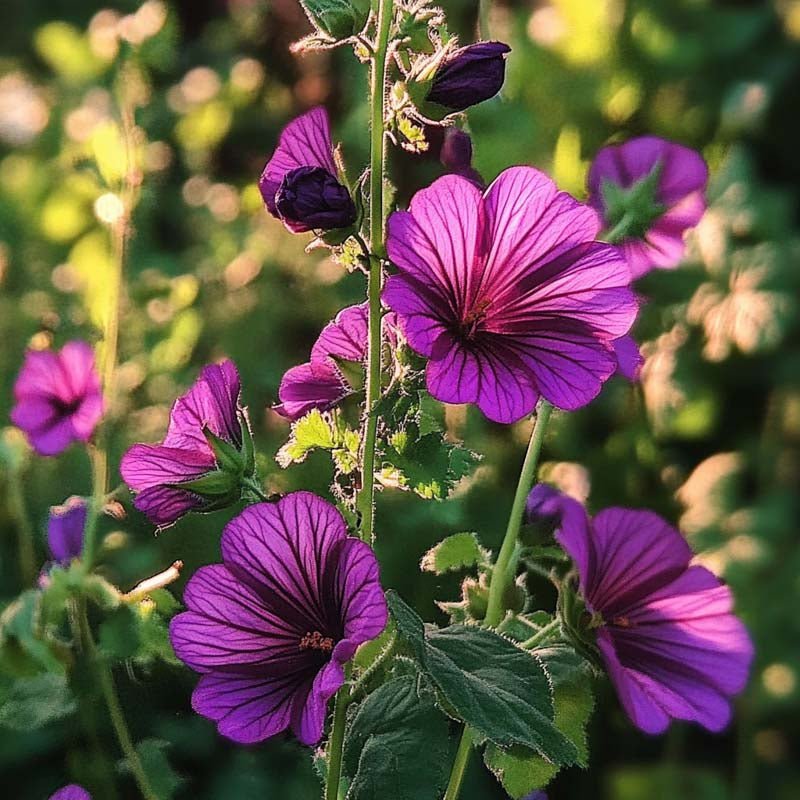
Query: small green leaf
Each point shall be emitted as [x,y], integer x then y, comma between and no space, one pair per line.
[213,484]
[310,432]
[459,551]
[25,647]
[164,781]
[383,753]
[337,19]
[34,702]
[409,624]
[119,633]
[228,458]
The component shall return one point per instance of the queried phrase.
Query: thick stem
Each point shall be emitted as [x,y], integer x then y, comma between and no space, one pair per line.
[25,533]
[105,680]
[502,573]
[336,743]
[459,765]
[366,496]
[542,635]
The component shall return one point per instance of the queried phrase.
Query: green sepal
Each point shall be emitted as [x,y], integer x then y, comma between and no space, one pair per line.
[213,484]
[337,19]
[228,458]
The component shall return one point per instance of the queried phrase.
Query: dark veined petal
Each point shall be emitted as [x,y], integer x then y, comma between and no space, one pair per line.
[249,708]
[165,505]
[304,142]
[282,551]
[309,712]
[228,627]
[147,465]
[317,384]
[345,336]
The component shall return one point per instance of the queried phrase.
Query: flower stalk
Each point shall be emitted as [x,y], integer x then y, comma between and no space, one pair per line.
[459,765]
[377,223]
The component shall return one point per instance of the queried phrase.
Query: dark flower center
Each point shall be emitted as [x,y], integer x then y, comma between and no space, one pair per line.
[316,641]
[66,408]
[474,317]
[622,622]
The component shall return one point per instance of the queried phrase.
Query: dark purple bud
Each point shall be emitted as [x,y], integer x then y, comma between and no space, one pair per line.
[310,198]
[470,75]
[456,155]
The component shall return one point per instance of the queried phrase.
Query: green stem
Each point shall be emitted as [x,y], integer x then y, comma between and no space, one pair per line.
[380,659]
[366,495]
[502,573]
[336,744]
[542,635]
[621,229]
[105,680]
[253,491]
[459,765]
[483,18]
[19,511]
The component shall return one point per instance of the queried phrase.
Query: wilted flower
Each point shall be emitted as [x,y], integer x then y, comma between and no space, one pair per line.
[271,628]
[320,383]
[456,156]
[58,397]
[650,192]
[469,75]
[665,629]
[507,294]
[71,792]
[204,457]
[299,183]
[65,529]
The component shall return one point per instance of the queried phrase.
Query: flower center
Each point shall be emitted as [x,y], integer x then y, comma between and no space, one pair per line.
[67,408]
[622,622]
[316,641]
[475,316]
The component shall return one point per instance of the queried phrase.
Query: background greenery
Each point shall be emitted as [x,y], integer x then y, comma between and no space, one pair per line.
[711,438]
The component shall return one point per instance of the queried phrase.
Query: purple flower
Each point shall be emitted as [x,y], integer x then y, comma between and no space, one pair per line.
[197,466]
[671,644]
[271,628]
[456,156]
[507,294]
[320,383]
[652,191]
[58,397]
[71,792]
[299,183]
[65,530]
[469,75]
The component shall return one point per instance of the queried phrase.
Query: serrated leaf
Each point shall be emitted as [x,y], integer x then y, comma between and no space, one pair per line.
[500,691]
[163,780]
[459,551]
[383,756]
[522,771]
[34,702]
[310,432]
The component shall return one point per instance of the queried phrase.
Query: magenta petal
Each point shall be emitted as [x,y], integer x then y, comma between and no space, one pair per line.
[71,792]
[146,465]
[248,708]
[65,530]
[317,385]
[345,337]
[164,505]
[309,713]
[629,358]
[304,142]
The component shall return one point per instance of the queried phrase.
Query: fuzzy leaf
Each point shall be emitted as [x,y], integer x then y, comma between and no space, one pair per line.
[456,552]
[311,431]
[30,703]
[383,754]
[164,781]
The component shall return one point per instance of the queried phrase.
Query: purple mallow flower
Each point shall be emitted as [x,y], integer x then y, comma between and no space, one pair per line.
[651,191]
[666,629]
[199,464]
[507,294]
[271,628]
[320,383]
[58,397]
[71,792]
[469,75]
[299,183]
[65,529]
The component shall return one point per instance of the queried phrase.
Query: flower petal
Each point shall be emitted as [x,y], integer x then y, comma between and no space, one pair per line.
[165,505]
[147,465]
[317,385]
[309,712]
[65,529]
[345,336]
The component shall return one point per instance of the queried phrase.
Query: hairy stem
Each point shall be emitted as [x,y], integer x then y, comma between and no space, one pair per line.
[336,743]
[25,532]
[105,680]
[502,575]
[366,496]
[459,765]
[542,635]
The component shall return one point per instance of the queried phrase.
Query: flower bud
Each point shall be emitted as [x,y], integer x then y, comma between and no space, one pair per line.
[337,19]
[310,198]
[469,75]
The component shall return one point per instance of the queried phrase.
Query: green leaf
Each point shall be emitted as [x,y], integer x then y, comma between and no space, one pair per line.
[24,646]
[500,691]
[119,633]
[311,431]
[337,19]
[34,702]
[383,754]
[164,781]
[218,483]
[456,552]
[519,769]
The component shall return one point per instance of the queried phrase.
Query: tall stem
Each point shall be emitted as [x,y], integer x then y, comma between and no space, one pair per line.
[366,496]
[459,765]
[336,743]
[502,575]
[105,680]
[25,533]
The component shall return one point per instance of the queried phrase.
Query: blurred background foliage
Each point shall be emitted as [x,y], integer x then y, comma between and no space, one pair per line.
[710,439]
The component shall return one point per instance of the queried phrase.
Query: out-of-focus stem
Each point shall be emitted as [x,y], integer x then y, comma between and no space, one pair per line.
[459,765]
[501,574]
[25,533]
[366,496]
